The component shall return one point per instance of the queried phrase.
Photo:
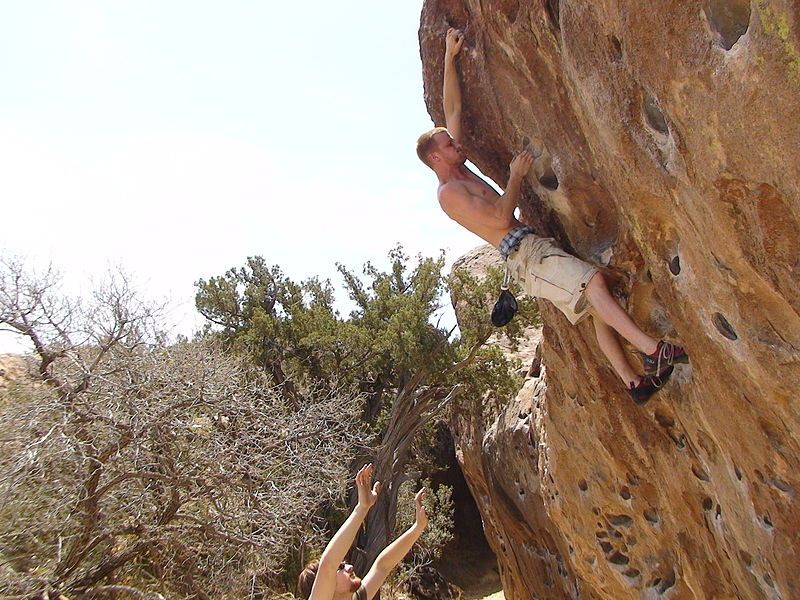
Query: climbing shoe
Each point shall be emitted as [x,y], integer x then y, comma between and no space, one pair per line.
[666,355]
[649,385]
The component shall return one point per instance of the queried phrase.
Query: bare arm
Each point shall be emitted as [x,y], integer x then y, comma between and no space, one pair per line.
[451,91]
[463,206]
[396,551]
[337,548]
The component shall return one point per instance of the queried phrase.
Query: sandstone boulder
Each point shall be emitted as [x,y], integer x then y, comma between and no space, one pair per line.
[666,137]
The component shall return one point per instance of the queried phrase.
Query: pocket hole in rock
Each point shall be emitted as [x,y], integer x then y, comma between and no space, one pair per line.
[729,19]
[773,434]
[675,265]
[654,117]
[718,512]
[601,534]
[746,557]
[582,485]
[617,558]
[625,492]
[632,573]
[616,48]
[768,580]
[620,520]
[549,180]
[606,546]
[700,473]
[553,8]
[664,420]
[767,522]
[725,328]
[782,486]
[708,503]
[651,515]
[667,582]
[737,472]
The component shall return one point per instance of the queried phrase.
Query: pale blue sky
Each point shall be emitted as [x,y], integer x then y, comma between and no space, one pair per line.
[177,138]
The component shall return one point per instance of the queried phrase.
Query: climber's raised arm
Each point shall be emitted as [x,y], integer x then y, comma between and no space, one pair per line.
[451,92]
[396,551]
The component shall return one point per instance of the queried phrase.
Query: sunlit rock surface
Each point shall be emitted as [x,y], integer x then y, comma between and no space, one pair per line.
[667,134]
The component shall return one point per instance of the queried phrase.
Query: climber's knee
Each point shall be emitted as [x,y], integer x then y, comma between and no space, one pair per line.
[596,287]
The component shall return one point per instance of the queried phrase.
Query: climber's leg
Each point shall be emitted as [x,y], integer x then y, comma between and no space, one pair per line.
[609,343]
[640,388]
[607,309]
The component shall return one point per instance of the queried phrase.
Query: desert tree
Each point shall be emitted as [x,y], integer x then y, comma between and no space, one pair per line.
[149,469]
[391,350]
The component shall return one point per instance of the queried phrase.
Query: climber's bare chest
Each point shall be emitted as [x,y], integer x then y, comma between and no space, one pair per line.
[477,187]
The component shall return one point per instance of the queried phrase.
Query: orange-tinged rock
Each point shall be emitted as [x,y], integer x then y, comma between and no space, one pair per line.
[667,135]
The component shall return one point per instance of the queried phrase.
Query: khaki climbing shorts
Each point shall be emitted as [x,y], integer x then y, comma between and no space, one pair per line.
[544,270]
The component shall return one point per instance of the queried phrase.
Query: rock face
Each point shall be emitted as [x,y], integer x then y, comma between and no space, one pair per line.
[667,136]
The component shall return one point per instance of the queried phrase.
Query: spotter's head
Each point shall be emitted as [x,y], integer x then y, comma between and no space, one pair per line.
[346,579]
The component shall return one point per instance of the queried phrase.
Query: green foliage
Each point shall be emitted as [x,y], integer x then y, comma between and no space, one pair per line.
[387,350]
[439,505]
[489,383]
[293,331]
[475,298]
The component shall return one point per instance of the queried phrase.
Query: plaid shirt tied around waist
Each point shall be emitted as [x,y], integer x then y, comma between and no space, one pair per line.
[512,239]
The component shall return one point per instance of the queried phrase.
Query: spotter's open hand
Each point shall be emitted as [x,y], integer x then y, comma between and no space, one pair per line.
[367,496]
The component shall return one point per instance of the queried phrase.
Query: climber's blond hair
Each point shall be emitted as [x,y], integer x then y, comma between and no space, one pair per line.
[426,145]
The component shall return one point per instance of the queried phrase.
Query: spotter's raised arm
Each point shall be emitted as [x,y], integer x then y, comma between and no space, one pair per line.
[331,578]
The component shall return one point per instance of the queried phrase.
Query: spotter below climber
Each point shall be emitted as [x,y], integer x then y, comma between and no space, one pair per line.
[540,267]
[330,578]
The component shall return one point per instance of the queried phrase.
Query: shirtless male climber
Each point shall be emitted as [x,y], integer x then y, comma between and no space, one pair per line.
[542,269]
[330,578]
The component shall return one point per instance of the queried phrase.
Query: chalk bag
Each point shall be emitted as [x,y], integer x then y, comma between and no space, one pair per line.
[506,306]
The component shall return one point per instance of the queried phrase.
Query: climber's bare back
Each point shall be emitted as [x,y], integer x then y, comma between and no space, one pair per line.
[470,202]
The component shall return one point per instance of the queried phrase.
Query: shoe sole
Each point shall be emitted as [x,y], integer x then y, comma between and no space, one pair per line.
[664,376]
